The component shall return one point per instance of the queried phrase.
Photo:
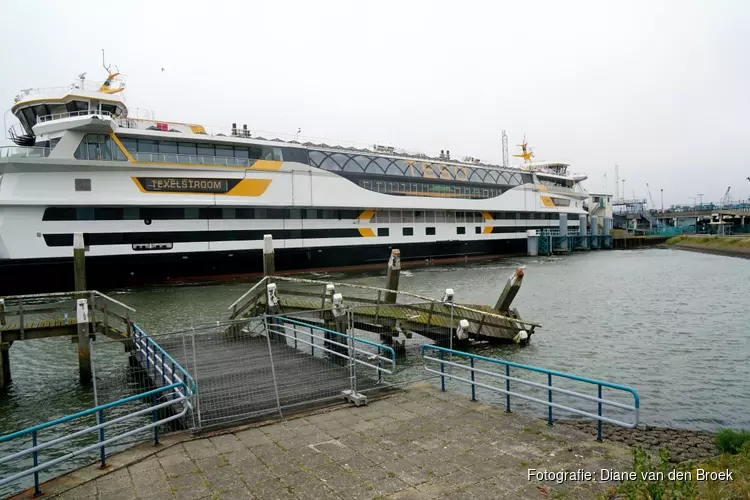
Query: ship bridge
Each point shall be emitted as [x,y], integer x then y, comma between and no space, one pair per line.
[46,112]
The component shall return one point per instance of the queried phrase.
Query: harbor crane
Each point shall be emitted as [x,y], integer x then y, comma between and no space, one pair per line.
[651,198]
[725,200]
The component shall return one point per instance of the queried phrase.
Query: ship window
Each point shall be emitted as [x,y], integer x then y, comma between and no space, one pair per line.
[131,213]
[130,144]
[192,213]
[146,146]
[407,231]
[478,230]
[225,151]
[241,153]
[83,184]
[311,213]
[206,149]
[274,154]
[460,230]
[295,213]
[429,231]
[167,147]
[187,148]
[228,213]
[85,213]
[383,231]
[107,213]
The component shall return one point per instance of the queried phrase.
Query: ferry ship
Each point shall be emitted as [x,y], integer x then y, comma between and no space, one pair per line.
[159,200]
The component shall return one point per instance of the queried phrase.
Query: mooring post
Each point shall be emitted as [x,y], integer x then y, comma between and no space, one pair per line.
[2,312]
[583,222]
[606,228]
[532,242]
[512,286]
[84,348]
[79,262]
[391,281]
[269,264]
[564,232]
[5,364]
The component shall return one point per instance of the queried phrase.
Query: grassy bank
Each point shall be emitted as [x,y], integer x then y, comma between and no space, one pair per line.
[727,245]
[687,487]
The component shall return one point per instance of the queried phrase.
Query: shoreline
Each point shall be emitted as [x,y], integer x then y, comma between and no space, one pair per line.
[713,245]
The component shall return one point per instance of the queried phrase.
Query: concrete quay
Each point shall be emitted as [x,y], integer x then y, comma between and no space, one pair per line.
[418,443]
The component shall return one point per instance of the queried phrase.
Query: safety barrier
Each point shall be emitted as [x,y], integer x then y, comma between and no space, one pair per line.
[175,394]
[351,346]
[472,370]
[157,360]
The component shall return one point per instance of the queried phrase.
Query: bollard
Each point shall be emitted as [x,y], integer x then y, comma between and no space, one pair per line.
[84,351]
[532,242]
[394,271]
[594,225]
[79,262]
[269,264]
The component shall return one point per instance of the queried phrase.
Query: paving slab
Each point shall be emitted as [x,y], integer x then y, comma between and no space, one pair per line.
[419,443]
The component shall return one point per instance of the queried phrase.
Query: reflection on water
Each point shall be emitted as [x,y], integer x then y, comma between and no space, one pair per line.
[670,323]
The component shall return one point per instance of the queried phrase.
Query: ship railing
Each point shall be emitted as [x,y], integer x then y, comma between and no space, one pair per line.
[87,85]
[24,152]
[71,114]
[481,372]
[192,159]
[322,143]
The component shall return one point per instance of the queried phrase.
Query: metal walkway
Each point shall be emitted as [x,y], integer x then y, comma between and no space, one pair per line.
[259,366]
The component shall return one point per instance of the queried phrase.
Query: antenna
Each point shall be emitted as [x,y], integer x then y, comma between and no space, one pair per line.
[505,149]
[103,64]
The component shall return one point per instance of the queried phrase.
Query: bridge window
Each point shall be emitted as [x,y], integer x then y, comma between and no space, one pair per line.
[98,147]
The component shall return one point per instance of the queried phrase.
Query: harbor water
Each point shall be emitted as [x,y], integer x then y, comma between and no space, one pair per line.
[672,324]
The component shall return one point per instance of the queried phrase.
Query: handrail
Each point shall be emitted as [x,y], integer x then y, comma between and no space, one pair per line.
[247,293]
[100,426]
[190,159]
[407,294]
[274,328]
[356,339]
[142,336]
[550,373]
[69,114]
[27,151]
[104,296]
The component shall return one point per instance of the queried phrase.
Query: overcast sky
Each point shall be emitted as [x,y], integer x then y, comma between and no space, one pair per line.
[660,88]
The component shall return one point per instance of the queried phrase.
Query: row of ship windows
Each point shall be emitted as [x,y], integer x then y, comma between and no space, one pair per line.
[428,231]
[178,213]
[361,164]
[149,146]
[432,190]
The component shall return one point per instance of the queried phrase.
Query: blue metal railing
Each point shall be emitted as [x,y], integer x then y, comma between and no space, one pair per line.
[473,358]
[180,393]
[390,360]
[158,361]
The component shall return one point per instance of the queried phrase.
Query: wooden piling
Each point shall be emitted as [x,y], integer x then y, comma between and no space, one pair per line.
[5,364]
[512,286]
[84,348]
[2,312]
[269,264]
[394,271]
[79,262]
